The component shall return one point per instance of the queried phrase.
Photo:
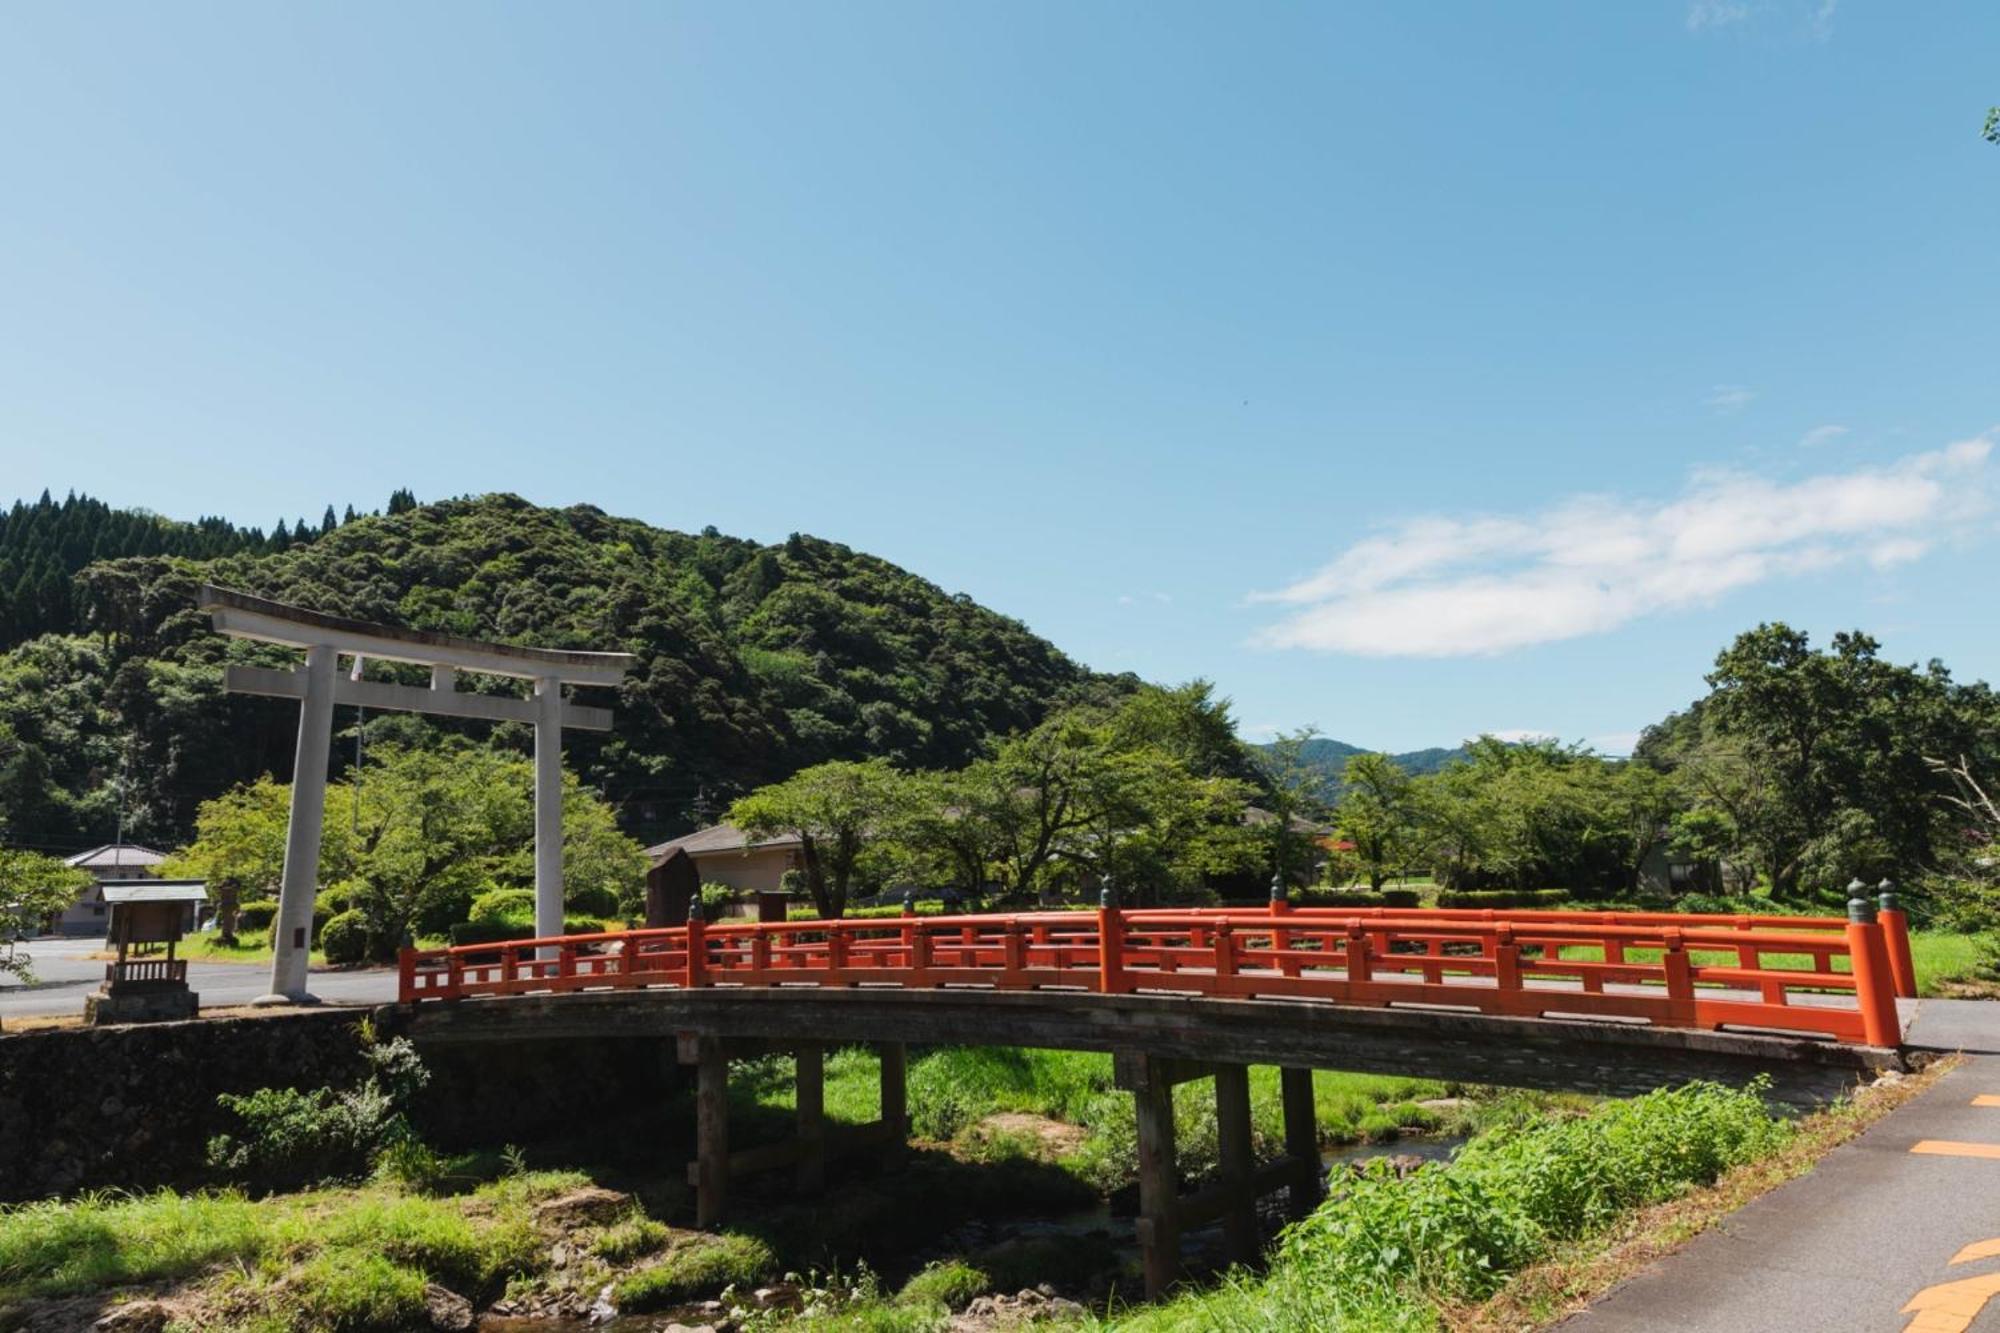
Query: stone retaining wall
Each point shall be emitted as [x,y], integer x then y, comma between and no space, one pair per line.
[134,1107]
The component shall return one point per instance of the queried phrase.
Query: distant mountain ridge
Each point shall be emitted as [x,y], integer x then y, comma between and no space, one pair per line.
[1331,756]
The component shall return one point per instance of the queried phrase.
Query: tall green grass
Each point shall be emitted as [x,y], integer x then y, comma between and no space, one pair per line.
[329,1261]
[1384,1252]
[55,1249]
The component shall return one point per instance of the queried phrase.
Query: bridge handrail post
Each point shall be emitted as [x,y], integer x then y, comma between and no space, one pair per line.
[1506,959]
[697,945]
[1013,952]
[406,974]
[454,976]
[919,944]
[1874,985]
[1896,933]
[1360,944]
[1110,941]
[1679,970]
[836,954]
[1225,950]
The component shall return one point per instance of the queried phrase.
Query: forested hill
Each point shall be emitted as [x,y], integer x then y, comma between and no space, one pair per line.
[44,544]
[1330,756]
[754,660]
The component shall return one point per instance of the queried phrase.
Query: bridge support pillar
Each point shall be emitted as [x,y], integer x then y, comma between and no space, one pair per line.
[1295,1093]
[1159,1225]
[711,1111]
[1238,1161]
[896,1091]
[812,1117]
[1164,1212]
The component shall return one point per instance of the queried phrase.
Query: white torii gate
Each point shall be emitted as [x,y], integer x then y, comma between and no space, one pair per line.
[318,686]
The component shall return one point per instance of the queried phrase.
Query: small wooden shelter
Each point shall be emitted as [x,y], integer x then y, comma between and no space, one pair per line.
[145,983]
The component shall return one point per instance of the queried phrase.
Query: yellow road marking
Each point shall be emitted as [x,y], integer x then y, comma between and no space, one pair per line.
[1979,1249]
[1951,1148]
[1950,1307]
[1987,1099]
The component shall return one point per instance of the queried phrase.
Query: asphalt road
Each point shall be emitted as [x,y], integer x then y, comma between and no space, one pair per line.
[65,972]
[1898,1229]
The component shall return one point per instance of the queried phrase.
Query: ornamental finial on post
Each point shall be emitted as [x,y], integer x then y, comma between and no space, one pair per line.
[1280,891]
[1107,894]
[1859,909]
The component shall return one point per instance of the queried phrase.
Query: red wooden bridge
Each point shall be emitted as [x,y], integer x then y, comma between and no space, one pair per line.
[1609,1002]
[1819,976]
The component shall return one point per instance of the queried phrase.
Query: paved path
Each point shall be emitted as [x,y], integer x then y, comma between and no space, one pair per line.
[1865,1242]
[65,972]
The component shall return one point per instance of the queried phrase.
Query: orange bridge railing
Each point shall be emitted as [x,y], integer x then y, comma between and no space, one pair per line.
[1814,975]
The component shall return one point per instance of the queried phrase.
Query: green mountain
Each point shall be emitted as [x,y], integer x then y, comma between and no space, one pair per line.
[754,660]
[1331,756]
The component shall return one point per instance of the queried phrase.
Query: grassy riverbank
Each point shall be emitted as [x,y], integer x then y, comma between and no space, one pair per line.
[1007,1139]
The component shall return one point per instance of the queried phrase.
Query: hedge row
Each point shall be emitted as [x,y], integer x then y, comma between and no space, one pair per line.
[1361,898]
[494,932]
[1504,898]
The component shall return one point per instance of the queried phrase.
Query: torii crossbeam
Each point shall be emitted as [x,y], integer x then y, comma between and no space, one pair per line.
[318,686]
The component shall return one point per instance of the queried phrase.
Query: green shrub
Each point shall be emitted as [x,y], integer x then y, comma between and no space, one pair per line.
[348,1291]
[292,1138]
[412,1165]
[949,1283]
[630,1239]
[257,914]
[344,938]
[1361,898]
[503,906]
[1457,1230]
[496,932]
[704,1266]
[1504,898]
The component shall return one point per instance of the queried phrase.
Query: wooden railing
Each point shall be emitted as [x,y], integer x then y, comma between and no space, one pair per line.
[135,970]
[1821,976]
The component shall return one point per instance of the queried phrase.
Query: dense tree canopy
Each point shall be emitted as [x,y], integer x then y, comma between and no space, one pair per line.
[411,844]
[33,888]
[1815,761]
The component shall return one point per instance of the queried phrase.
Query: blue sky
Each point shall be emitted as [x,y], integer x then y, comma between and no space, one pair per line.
[1410,371]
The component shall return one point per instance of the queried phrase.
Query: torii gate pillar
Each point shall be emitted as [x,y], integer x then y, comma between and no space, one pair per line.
[548,807]
[318,686]
[293,927]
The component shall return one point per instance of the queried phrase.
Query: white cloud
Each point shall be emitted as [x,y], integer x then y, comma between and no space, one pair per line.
[1715,14]
[1516,734]
[1728,398]
[1820,435]
[1617,744]
[1820,26]
[1450,587]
